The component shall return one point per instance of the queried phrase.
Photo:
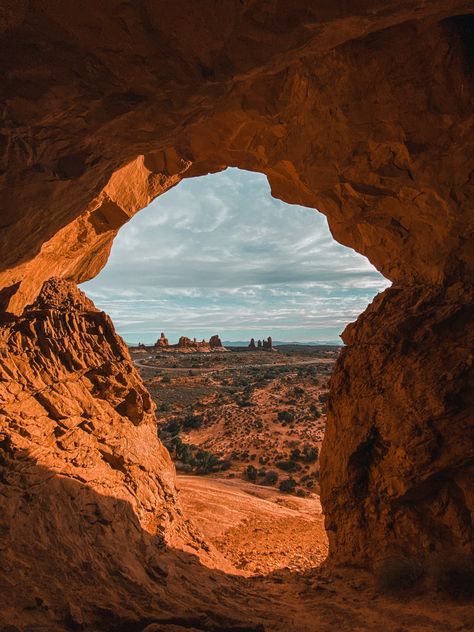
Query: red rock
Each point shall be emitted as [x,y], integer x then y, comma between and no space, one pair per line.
[360,111]
[84,479]
[162,341]
[215,342]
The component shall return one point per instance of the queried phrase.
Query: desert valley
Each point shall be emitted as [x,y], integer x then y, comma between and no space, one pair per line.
[245,428]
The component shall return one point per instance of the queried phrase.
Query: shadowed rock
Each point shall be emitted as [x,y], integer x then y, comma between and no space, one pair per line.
[359,110]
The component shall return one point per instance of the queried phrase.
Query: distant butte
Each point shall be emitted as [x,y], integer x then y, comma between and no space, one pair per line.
[186,345]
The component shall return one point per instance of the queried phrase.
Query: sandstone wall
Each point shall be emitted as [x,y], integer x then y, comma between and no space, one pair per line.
[362,110]
[398,461]
[87,494]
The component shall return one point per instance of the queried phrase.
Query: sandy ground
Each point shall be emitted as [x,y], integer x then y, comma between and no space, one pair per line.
[277,543]
[257,529]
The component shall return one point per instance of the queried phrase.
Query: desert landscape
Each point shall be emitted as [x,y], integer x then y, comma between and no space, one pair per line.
[258,416]
[184,486]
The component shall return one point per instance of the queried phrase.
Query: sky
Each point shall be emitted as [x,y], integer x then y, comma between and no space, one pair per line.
[218,254]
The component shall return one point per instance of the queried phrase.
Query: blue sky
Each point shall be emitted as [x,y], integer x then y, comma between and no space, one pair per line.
[218,254]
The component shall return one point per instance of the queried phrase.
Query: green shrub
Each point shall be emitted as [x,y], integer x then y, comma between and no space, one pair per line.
[288,466]
[251,473]
[311,454]
[285,415]
[184,452]
[192,422]
[295,454]
[287,486]
[271,478]
[172,427]
[243,403]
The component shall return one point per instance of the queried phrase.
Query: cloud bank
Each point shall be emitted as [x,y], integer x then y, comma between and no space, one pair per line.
[218,254]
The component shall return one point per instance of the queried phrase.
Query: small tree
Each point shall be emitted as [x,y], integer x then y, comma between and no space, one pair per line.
[271,477]
[287,486]
[251,473]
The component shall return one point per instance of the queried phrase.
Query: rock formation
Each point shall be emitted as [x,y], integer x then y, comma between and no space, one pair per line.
[262,345]
[400,472]
[361,110]
[215,342]
[162,341]
[267,344]
[83,478]
[185,343]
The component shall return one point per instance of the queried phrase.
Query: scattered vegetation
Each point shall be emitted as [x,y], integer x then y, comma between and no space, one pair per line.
[268,421]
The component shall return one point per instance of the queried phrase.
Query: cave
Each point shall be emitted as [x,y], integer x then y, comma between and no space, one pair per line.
[362,110]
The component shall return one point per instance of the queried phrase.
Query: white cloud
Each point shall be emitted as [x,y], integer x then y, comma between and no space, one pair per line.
[219,254]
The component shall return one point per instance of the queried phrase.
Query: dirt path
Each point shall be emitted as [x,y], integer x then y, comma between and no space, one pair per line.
[198,371]
[259,530]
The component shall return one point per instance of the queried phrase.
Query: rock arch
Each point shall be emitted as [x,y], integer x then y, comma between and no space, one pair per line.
[361,110]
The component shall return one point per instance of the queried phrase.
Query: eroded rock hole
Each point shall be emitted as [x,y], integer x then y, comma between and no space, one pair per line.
[250,295]
[361,111]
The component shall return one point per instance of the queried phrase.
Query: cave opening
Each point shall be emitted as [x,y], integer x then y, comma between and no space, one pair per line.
[362,112]
[218,258]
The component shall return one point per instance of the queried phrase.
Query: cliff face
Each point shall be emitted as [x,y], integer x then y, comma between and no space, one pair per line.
[362,110]
[87,490]
[398,459]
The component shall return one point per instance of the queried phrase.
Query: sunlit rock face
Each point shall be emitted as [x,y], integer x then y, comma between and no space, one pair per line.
[362,110]
[89,508]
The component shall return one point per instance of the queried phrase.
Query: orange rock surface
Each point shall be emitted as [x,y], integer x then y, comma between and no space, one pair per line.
[362,110]
[397,469]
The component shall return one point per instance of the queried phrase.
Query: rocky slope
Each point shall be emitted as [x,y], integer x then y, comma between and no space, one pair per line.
[362,110]
[87,491]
